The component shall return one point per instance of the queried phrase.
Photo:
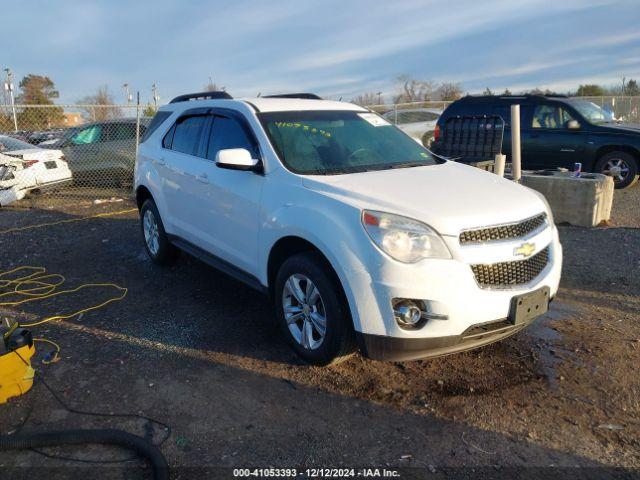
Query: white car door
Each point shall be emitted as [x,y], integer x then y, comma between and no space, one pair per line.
[177,162]
[227,202]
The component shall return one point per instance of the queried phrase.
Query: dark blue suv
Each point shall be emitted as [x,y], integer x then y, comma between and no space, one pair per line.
[558,131]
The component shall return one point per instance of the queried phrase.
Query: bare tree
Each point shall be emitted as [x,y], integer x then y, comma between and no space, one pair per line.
[487,92]
[412,90]
[449,91]
[104,106]
[212,86]
[368,99]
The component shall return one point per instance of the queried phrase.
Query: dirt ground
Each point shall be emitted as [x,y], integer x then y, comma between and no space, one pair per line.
[197,350]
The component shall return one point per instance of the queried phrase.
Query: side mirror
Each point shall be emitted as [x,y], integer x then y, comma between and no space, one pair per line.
[573,125]
[237,159]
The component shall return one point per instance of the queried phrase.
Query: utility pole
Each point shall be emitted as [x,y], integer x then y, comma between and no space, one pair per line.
[8,86]
[127,94]
[154,94]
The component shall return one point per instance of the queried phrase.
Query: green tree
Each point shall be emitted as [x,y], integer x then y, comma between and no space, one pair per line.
[506,92]
[590,90]
[38,90]
[149,110]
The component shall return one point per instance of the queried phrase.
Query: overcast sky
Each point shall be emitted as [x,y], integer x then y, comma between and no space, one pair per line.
[333,47]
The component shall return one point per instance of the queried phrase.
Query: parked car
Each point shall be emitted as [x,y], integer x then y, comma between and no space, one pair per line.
[558,131]
[360,236]
[25,168]
[101,152]
[37,138]
[418,123]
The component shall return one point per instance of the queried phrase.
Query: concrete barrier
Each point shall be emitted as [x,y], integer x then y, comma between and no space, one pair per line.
[583,201]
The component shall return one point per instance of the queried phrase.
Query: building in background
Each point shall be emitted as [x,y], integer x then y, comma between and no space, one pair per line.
[72,119]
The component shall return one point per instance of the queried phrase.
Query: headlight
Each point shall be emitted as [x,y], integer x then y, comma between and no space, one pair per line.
[402,238]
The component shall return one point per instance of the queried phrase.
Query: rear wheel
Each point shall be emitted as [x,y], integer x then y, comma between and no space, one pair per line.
[621,166]
[156,242]
[312,311]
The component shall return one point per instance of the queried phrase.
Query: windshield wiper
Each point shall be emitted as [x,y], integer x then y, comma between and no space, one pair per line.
[408,165]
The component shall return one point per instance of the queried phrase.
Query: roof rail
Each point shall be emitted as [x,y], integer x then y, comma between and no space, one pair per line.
[523,95]
[305,96]
[202,96]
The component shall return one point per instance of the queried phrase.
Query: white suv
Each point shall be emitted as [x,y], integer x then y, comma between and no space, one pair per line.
[361,237]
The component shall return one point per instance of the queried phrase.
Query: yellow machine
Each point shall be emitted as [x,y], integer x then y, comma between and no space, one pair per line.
[16,350]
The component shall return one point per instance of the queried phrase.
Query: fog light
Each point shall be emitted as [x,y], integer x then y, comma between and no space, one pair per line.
[407,313]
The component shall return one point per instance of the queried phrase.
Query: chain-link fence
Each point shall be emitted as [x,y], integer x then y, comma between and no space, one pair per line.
[64,153]
[624,109]
[418,119]
[52,154]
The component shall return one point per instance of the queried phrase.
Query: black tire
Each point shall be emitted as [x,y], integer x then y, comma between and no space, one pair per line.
[427,138]
[339,340]
[628,160]
[166,253]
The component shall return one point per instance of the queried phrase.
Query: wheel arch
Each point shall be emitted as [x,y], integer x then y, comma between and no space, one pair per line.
[617,148]
[285,248]
[142,195]
[290,245]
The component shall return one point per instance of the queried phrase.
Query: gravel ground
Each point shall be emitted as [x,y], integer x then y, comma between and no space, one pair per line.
[194,348]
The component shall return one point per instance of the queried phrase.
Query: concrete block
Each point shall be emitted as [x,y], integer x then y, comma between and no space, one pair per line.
[583,201]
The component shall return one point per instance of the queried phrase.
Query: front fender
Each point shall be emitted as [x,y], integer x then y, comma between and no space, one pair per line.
[334,229]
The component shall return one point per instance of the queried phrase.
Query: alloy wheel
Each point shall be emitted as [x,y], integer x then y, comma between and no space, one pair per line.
[151,233]
[304,311]
[616,168]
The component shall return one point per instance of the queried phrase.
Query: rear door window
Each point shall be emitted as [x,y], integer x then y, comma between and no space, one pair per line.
[187,134]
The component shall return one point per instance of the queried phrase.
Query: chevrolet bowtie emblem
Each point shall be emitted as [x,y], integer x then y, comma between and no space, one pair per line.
[525,250]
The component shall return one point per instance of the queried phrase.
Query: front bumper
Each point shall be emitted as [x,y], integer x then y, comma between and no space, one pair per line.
[395,349]
[450,291]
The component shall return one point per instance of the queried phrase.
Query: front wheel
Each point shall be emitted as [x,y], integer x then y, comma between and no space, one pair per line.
[622,166]
[312,311]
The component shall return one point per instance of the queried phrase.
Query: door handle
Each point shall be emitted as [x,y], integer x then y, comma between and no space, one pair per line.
[535,135]
[202,178]
[161,161]
[567,149]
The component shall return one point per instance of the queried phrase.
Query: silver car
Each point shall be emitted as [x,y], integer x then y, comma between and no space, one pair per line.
[418,123]
[101,152]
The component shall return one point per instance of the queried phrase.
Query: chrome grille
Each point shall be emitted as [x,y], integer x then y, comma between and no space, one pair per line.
[503,232]
[511,274]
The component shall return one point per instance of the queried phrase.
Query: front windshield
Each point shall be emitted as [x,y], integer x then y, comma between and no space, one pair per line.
[9,144]
[592,112]
[336,142]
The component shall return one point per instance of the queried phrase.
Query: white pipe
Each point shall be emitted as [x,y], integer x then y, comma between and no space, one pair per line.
[499,165]
[516,163]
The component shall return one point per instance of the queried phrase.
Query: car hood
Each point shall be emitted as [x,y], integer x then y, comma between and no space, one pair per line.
[621,127]
[449,197]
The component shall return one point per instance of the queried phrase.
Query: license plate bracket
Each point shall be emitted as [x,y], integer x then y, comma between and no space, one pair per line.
[526,307]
